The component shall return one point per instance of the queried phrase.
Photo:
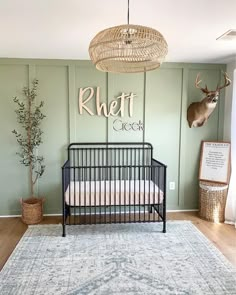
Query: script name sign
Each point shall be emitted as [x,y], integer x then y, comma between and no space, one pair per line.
[215,162]
[116,108]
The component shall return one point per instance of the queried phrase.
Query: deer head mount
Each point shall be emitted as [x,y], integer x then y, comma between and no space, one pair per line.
[199,112]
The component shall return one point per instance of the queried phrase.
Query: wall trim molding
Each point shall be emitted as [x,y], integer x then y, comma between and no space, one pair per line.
[12,216]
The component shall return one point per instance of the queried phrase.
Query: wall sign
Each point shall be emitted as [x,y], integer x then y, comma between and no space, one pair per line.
[119,125]
[215,162]
[115,108]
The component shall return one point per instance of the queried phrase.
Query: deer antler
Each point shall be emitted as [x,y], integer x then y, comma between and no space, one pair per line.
[226,83]
[197,82]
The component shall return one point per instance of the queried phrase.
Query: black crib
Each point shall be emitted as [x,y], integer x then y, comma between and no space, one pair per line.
[113,183]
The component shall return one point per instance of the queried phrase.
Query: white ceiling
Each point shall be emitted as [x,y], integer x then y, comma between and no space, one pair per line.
[63,29]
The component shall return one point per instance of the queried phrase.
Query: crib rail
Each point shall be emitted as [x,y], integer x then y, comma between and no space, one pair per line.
[109,154]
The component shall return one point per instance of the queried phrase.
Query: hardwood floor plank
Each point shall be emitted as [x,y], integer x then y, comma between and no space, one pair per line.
[11,231]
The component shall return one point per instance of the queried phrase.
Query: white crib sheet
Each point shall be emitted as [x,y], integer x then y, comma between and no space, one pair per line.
[113,192]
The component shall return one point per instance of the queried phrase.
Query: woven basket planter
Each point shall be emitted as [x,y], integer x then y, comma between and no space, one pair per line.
[32,210]
[212,200]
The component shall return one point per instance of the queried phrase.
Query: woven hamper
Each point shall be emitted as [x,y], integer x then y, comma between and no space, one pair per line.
[32,210]
[212,200]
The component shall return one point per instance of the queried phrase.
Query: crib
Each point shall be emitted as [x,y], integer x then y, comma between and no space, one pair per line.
[112,183]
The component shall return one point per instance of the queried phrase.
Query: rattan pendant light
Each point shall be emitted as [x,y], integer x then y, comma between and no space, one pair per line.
[128,49]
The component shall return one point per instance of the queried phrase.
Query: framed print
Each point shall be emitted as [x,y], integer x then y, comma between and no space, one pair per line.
[215,162]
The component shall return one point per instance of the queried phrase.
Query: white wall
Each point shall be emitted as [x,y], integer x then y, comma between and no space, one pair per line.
[231,66]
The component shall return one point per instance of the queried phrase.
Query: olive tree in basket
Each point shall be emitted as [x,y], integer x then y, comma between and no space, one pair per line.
[30,116]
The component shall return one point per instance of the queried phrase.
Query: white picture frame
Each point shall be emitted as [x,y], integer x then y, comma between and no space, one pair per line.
[215,162]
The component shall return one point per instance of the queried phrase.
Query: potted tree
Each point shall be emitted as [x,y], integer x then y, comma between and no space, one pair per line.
[29,116]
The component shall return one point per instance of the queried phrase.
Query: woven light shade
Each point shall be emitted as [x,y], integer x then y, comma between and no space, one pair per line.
[128,49]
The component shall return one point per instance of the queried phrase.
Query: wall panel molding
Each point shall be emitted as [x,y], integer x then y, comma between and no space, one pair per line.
[72,104]
[163,98]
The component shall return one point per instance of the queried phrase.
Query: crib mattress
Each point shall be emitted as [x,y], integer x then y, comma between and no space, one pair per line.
[113,192]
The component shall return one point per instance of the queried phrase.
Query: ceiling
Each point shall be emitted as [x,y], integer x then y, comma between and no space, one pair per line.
[63,29]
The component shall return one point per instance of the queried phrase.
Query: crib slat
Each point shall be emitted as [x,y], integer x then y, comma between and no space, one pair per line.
[80,177]
[154,190]
[144,193]
[100,197]
[90,197]
[95,187]
[159,176]
[130,176]
[64,213]
[115,181]
[164,203]
[149,193]
[139,178]
[110,193]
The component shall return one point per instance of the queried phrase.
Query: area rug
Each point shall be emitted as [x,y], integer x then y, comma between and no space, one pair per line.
[117,259]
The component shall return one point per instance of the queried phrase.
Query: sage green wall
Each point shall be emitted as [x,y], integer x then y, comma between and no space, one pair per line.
[161,103]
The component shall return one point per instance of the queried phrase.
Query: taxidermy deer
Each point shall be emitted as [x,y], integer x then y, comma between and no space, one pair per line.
[199,112]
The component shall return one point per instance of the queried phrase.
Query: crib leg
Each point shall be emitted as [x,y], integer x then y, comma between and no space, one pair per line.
[67,211]
[164,227]
[63,230]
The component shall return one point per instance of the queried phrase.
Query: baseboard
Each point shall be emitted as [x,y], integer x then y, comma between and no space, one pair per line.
[182,210]
[168,211]
[7,216]
[229,222]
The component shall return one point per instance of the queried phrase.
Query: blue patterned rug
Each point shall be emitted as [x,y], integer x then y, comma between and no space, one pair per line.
[117,259]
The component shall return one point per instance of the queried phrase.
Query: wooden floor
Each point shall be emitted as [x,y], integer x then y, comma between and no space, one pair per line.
[223,236]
